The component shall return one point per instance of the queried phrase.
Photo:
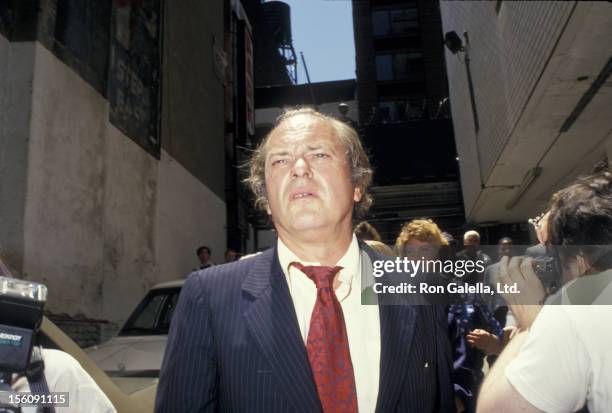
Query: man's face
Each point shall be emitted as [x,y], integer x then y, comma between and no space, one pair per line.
[471,244]
[505,249]
[204,256]
[416,249]
[308,179]
[231,255]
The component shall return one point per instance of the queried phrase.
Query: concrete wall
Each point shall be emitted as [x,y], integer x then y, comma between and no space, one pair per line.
[509,49]
[189,214]
[193,112]
[16,63]
[129,219]
[102,220]
[64,214]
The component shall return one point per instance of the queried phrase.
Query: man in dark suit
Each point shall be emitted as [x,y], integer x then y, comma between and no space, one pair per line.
[286,330]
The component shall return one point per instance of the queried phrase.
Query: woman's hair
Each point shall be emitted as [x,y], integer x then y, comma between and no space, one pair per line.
[424,230]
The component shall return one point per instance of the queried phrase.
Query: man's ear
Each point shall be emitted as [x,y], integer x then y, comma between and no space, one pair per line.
[542,232]
[584,267]
[357,194]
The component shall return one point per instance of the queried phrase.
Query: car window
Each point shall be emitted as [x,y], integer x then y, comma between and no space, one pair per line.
[146,318]
[153,314]
[166,317]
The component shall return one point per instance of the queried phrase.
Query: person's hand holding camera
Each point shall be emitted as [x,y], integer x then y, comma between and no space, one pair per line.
[526,304]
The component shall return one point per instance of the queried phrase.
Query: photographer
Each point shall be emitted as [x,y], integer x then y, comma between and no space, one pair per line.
[63,373]
[26,368]
[561,360]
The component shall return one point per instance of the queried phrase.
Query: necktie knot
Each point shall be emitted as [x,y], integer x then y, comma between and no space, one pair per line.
[322,276]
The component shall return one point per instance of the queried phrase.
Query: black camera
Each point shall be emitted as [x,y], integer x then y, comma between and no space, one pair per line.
[547,269]
[21,312]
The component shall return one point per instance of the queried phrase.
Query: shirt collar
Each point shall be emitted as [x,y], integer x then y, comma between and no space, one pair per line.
[349,262]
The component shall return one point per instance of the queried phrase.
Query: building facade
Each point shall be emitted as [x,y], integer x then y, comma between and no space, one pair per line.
[113,131]
[259,45]
[399,59]
[403,114]
[530,98]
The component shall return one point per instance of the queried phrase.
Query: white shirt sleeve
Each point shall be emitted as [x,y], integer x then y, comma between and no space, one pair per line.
[551,370]
[64,374]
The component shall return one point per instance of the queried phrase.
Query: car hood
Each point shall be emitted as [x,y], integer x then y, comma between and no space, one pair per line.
[135,356]
[131,385]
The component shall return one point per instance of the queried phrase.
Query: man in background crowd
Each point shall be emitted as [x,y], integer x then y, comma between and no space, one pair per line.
[203,253]
[472,252]
[231,255]
[504,248]
[366,232]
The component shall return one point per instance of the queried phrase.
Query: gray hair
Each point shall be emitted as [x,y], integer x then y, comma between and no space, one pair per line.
[361,172]
[471,234]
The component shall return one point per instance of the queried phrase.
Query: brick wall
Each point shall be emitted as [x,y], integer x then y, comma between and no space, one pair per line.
[84,331]
[509,48]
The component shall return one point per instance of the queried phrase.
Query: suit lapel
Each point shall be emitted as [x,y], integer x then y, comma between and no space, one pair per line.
[397,325]
[272,321]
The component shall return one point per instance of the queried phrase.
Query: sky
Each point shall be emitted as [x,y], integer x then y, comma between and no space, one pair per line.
[323,30]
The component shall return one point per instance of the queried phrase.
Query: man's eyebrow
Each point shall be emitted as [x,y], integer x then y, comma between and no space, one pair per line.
[320,146]
[277,153]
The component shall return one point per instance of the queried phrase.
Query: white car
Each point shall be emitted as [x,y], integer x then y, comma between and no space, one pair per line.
[133,358]
[141,400]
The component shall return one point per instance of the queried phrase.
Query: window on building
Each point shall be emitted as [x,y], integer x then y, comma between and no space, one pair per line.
[398,66]
[82,29]
[380,21]
[134,82]
[395,21]
[384,67]
[399,110]
[403,20]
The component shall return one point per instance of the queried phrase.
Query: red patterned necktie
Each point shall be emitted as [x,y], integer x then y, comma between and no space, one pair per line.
[327,345]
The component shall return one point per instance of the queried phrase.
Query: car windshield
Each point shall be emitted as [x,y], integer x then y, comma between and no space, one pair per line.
[153,314]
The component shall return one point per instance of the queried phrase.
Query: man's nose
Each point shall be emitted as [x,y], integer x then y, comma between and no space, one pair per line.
[301,168]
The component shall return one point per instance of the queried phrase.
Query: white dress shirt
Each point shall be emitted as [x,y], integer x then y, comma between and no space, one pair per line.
[362,321]
[63,373]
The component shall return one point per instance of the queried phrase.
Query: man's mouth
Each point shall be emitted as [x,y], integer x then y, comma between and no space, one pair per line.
[301,195]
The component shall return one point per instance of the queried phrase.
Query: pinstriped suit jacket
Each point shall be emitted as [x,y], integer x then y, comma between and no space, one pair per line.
[234,346]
